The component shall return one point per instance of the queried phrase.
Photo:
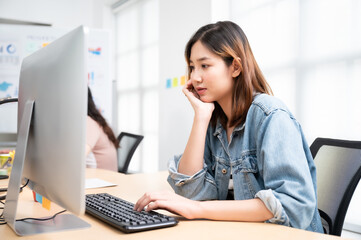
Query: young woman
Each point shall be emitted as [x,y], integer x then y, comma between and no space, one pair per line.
[245,150]
[101,141]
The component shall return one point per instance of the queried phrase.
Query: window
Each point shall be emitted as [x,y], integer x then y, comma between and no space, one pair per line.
[137,44]
[310,53]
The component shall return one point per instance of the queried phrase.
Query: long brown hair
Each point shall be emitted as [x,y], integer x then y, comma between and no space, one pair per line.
[96,116]
[227,40]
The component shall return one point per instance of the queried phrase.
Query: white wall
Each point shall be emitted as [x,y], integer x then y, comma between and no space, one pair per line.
[64,13]
[178,21]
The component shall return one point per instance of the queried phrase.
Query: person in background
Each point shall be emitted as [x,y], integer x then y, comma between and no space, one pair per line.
[101,144]
[246,158]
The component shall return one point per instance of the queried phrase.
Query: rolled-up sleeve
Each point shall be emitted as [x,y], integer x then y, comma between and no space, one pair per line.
[273,205]
[199,186]
[289,191]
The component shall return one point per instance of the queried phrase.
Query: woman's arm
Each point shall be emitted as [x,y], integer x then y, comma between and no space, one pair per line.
[192,159]
[93,131]
[284,162]
[252,210]
[87,149]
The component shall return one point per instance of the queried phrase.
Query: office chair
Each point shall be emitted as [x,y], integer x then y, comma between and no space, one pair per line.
[338,164]
[128,143]
[8,140]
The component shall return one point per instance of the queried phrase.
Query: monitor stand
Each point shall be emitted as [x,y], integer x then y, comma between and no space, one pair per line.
[59,223]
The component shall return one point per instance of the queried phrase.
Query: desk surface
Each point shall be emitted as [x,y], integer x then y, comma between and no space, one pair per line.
[131,187]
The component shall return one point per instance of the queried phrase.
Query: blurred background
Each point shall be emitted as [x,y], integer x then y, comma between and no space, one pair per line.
[308,50]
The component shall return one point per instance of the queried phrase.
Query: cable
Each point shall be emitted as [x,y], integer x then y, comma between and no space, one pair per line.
[8,100]
[42,219]
[2,197]
[2,220]
[27,182]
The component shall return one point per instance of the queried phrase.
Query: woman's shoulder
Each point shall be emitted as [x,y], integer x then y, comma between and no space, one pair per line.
[268,104]
[266,108]
[92,124]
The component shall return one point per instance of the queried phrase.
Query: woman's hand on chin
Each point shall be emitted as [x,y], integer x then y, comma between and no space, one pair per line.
[203,110]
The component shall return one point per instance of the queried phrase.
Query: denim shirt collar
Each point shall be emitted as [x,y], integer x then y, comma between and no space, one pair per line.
[219,128]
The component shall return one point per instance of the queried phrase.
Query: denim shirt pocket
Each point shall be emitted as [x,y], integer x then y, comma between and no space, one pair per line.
[245,177]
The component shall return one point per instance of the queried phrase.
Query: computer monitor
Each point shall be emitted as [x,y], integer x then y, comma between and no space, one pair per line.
[50,149]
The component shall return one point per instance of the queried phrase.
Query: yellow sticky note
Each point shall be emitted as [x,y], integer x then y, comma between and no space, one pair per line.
[46,203]
[175,82]
[183,80]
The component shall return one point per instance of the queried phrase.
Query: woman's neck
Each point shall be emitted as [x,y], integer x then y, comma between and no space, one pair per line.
[226,106]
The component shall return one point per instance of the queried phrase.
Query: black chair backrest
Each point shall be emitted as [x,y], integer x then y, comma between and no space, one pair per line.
[128,143]
[338,164]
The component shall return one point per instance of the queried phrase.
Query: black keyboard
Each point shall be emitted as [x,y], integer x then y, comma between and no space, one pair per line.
[120,214]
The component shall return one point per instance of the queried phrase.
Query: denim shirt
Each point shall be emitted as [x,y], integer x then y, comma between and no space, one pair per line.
[268,158]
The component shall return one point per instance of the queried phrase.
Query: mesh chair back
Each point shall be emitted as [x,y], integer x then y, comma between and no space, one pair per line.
[128,143]
[338,164]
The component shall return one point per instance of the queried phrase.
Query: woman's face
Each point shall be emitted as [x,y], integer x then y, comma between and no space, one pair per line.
[210,76]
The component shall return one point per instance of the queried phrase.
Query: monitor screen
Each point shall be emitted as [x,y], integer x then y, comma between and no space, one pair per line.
[52,115]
